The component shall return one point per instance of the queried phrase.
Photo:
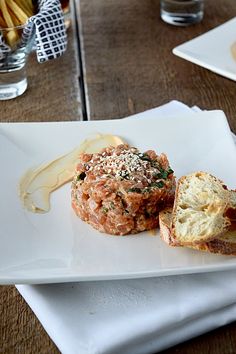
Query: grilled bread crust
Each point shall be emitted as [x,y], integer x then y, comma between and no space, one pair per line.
[224,245]
[199,212]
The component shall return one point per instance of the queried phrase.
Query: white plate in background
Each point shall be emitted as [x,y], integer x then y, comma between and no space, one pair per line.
[58,246]
[212,50]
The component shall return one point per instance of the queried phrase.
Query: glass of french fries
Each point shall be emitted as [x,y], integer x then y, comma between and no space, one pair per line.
[14,48]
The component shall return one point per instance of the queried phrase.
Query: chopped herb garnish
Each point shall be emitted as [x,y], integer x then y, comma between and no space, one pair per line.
[159,184]
[163,174]
[81,176]
[158,175]
[170,171]
[104,210]
[155,164]
[144,157]
[112,205]
[135,190]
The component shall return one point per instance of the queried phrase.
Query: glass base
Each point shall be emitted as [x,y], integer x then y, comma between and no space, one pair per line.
[12,84]
[13,90]
[184,19]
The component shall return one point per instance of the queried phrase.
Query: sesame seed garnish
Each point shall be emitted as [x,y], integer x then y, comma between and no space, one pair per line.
[127,164]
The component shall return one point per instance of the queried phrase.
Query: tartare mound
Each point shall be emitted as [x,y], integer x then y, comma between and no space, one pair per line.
[120,191]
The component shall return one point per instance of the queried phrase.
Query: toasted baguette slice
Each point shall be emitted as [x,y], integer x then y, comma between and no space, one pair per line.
[225,244]
[165,221]
[201,201]
[231,211]
[233,199]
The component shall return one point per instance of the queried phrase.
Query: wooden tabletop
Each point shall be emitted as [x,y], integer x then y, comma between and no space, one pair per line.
[53,90]
[128,62]
[127,68]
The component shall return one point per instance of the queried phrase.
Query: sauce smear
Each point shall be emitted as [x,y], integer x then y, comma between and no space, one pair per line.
[37,184]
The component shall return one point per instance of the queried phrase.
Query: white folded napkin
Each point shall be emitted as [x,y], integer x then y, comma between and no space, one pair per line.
[133,316]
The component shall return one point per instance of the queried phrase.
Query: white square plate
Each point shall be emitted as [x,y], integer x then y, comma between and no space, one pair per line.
[212,50]
[58,246]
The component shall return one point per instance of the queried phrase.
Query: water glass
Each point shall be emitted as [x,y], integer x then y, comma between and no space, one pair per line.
[16,44]
[182,12]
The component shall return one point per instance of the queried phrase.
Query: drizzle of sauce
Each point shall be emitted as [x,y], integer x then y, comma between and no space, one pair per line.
[37,184]
[233,50]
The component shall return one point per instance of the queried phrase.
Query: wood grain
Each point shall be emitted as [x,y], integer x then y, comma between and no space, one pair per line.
[53,90]
[20,331]
[129,66]
[220,341]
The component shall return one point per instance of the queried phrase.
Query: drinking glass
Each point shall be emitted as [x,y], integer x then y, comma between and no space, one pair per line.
[182,12]
[16,44]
